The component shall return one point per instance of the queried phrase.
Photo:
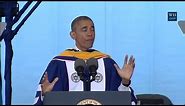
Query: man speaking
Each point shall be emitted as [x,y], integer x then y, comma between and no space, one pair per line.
[105,75]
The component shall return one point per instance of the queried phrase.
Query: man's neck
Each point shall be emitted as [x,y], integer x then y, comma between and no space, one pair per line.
[80,49]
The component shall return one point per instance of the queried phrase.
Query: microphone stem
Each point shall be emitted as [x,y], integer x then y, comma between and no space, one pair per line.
[87,84]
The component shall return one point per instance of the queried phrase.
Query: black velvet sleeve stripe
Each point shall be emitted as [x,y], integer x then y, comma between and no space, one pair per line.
[65,58]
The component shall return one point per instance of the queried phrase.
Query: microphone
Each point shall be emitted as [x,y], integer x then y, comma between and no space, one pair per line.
[92,65]
[79,66]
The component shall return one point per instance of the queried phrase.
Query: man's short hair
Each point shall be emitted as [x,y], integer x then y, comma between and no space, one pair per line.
[77,19]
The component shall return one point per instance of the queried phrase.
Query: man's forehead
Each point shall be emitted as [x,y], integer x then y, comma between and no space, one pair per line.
[84,23]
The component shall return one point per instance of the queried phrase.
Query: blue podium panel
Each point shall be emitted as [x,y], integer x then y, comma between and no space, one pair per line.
[87,98]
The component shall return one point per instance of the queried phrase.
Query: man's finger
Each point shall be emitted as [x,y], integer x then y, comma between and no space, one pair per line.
[126,58]
[46,76]
[130,60]
[43,78]
[133,60]
[116,66]
[54,81]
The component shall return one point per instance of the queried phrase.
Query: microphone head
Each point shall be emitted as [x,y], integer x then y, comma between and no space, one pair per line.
[92,65]
[79,66]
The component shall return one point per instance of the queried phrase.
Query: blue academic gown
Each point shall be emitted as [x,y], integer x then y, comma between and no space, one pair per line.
[58,68]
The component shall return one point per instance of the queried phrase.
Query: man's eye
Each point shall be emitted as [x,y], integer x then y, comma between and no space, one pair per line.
[92,29]
[84,29]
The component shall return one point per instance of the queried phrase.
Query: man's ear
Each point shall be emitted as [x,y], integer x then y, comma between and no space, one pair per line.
[72,34]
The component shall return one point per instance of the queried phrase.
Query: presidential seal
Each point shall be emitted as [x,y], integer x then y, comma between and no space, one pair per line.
[89,102]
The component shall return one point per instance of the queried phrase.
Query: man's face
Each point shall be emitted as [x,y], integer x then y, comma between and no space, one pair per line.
[84,34]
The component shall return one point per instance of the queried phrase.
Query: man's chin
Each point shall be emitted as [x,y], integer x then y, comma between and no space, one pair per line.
[90,46]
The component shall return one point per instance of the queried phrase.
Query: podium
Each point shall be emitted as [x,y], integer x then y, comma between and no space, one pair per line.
[87,98]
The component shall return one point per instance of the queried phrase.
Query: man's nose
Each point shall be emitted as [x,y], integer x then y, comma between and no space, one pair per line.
[90,33]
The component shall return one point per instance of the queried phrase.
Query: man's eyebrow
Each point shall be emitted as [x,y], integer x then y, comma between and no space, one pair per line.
[86,27]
